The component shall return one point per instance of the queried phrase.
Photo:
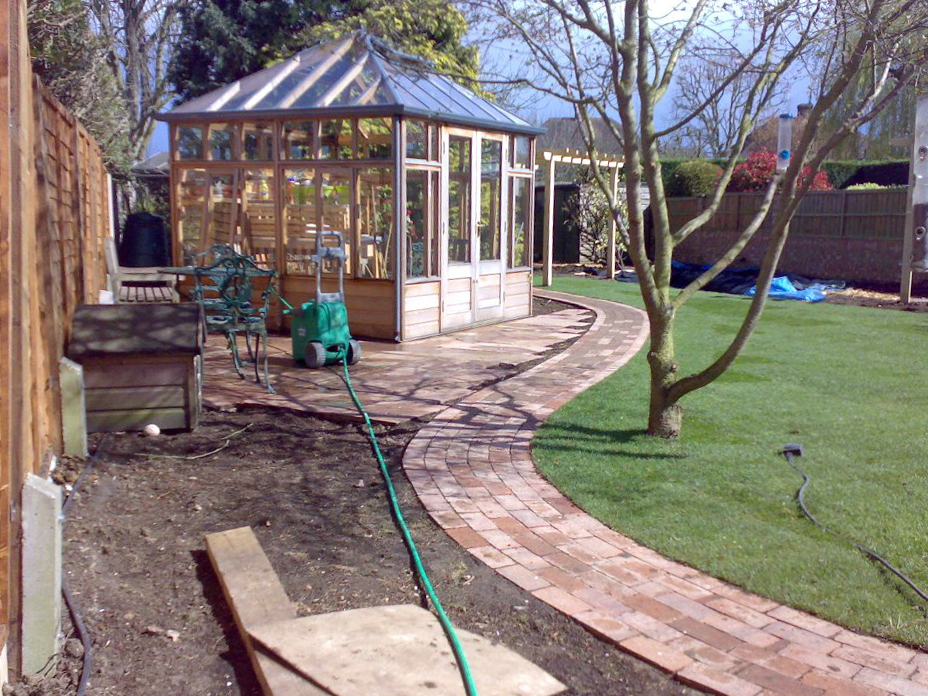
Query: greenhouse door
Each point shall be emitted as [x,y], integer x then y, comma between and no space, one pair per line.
[473,243]
[458,259]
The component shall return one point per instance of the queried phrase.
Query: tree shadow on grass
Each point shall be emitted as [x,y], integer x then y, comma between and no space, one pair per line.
[593,440]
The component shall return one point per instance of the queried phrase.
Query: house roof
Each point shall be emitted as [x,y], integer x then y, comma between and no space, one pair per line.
[565,133]
[354,75]
[158,164]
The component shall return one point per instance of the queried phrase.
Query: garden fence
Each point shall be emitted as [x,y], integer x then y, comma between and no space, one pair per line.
[54,214]
[849,235]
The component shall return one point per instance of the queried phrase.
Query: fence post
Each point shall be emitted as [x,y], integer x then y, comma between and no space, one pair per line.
[918,195]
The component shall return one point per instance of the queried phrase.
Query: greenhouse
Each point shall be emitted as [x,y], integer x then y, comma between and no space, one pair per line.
[339,138]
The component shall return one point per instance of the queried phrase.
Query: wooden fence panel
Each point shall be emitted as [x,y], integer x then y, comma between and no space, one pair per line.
[54,215]
[850,235]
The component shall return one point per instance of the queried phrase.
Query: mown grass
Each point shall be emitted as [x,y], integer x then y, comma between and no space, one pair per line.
[849,383]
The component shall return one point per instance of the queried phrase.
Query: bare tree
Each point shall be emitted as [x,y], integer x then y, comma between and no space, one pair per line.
[605,58]
[714,130]
[139,36]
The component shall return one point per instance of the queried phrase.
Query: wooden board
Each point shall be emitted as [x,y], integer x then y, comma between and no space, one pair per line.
[116,398]
[136,419]
[257,598]
[398,650]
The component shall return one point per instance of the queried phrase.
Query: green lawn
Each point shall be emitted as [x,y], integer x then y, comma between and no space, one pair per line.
[848,383]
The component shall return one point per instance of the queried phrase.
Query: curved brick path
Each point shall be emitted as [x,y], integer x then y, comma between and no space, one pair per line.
[472,469]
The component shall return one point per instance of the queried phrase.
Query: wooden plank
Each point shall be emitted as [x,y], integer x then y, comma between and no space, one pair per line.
[115,372]
[6,317]
[137,419]
[414,303]
[423,289]
[125,398]
[423,316]
[257,598]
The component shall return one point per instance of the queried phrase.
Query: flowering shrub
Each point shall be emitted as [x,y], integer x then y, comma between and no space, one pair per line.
[758,169]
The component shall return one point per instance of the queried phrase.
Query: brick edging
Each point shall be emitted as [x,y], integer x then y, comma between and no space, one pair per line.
[472,469]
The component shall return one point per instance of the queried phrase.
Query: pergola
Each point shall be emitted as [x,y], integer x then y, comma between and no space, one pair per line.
[549,159]
[339,138]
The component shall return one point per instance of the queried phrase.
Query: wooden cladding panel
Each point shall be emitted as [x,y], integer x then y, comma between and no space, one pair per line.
[421,310]
[54,214]
[371,304]
[518,295]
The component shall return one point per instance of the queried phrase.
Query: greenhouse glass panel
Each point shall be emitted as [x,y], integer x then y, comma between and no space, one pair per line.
[459,197]
[491,160]
[190,142]
[300,220]
[375,222]
[191,203]
[258,141]
[375,138]
[298,140]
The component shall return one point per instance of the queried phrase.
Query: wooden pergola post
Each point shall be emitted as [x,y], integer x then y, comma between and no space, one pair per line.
[549,159]
[547,248]
[610,252]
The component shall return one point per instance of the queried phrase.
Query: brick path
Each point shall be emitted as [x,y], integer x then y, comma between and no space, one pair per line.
[472,469]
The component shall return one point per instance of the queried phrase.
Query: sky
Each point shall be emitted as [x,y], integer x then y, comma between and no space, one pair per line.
[537,107]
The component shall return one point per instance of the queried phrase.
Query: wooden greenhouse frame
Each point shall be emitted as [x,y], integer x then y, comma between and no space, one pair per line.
[337,139]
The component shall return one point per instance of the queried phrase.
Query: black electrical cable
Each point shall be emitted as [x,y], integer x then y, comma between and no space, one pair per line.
[788,452]
[76,617]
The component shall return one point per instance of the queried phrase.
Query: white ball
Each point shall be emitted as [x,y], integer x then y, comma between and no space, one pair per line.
[151,430]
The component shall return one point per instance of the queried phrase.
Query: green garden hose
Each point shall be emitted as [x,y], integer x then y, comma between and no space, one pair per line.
[466,675]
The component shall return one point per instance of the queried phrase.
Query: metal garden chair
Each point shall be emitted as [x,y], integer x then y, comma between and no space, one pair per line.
[225,291]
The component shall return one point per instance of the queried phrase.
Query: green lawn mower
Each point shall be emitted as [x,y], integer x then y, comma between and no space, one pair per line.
[319,328]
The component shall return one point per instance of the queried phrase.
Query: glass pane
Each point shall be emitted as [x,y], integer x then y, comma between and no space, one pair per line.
[258,141]
[336,208]
[519,202]
[375,138]
[520,152]
[189,142]
[416,139]
[297,140]
[362,90]
[421,223]
[459,197]
[259,227]
[491,159]
[191,202]
[434,149]
[222,211]
[221,137]
[335,141]
[375,222]
[300,217]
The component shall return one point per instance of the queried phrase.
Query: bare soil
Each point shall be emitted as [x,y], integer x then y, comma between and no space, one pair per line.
[136,562]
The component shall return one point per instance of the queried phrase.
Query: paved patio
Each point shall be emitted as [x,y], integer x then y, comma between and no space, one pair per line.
[471,467]
[396,382]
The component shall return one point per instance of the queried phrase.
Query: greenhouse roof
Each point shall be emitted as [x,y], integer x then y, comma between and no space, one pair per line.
[353,75]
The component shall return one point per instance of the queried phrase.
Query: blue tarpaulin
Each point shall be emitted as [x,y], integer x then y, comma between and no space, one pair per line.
[743,281]
[782,289]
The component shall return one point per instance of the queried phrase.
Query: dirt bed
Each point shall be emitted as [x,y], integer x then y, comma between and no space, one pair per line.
[135,556]
[136,559]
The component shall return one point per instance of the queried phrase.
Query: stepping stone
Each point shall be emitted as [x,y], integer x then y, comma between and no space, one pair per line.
[397,651]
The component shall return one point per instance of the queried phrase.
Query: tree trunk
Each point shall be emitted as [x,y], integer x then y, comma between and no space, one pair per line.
[665,416]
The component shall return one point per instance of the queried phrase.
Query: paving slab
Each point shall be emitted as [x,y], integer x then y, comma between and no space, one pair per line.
[396,382]
[397,650]
[705,632]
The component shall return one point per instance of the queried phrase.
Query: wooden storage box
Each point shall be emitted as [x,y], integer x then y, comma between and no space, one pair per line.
[141,365]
